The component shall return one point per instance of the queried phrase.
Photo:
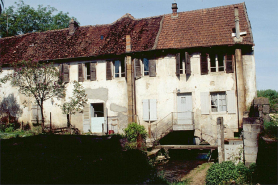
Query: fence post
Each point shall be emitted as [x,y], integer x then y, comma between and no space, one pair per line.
[220,139]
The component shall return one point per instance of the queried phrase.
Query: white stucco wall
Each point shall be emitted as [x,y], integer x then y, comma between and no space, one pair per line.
[249,70]
[164,88]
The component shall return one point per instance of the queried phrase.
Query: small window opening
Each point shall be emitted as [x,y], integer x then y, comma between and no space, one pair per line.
[101,37]
[119,68]
[212,63]
[182,66]
[88,71]
[97,110]
[146,66]
[218,102]
[220,62]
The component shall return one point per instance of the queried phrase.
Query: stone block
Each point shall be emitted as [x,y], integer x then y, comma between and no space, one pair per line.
[246,127]
[250,135]
[260,108]
[266,109]
[261,101]
[250,120]
[250,150]
[251,158]
[256,128]
[250,142]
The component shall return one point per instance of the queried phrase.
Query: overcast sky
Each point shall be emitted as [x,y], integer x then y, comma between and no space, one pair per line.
[263,15]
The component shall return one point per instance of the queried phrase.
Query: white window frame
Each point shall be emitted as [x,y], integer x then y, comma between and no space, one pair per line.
[143,66]
[121,72]
[216,64]
[218,102]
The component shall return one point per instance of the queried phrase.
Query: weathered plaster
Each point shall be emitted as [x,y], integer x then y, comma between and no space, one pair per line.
[116,108]
[101,93]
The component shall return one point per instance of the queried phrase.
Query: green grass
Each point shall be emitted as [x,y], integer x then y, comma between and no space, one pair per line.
[17,133]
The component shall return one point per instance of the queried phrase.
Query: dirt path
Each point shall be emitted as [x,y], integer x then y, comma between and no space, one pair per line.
[197,176]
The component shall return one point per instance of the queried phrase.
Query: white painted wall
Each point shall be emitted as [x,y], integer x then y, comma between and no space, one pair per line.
[164,88]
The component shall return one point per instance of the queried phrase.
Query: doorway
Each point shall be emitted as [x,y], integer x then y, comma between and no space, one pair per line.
[184,108]
[97,117]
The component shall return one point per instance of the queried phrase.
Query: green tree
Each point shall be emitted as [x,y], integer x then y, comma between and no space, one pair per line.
[37,80]
[76,102]
[25,19]
[272,96]
[1,6]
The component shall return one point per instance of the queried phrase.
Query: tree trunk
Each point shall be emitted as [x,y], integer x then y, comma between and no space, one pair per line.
[68,120]
[42,114]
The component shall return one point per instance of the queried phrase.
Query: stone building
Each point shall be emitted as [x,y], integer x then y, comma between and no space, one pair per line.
[182,68]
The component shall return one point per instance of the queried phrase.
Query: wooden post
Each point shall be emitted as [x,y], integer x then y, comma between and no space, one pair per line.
[50,123]
[220,141]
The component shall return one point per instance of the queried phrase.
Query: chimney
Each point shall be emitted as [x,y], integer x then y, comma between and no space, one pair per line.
[175,9]
[237,23]
[73,25]
[128,44]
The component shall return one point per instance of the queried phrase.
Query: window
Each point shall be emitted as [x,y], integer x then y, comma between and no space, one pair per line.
[183,65]
[146,66]
[64,72]
[216,62]
[204,64]
[119,69]
[149,110]
[218,102]
[88,71]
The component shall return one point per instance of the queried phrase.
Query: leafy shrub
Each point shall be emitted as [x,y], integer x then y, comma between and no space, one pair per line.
[133,130]
[272,95]
[10,128]
[227,172]
[270,129]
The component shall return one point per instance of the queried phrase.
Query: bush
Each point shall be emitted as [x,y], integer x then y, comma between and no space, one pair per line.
[270,128]
[133,130]
[272,95]
[10,128]
[227,172]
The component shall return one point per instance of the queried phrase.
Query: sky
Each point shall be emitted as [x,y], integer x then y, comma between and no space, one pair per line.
[263,15]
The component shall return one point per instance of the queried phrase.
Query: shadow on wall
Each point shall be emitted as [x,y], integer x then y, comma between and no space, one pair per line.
[10,111]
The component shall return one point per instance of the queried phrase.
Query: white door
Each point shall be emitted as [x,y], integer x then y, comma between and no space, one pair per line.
[96,122]
[184,109]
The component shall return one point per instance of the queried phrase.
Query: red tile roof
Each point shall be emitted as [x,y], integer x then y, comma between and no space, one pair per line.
[206,27]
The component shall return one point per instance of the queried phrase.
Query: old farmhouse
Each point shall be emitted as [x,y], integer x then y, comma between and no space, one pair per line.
[178,71]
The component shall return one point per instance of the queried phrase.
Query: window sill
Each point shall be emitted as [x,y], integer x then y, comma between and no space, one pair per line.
[224,112]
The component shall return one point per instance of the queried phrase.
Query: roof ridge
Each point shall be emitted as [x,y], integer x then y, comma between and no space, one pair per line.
[212,8]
